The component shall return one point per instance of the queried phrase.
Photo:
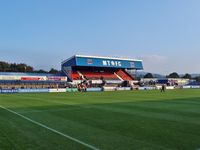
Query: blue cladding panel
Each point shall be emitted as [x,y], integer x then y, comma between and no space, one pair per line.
[138,65]
[111,63]
[70,62]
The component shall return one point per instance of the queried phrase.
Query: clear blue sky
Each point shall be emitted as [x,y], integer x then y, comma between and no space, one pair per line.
[164,33]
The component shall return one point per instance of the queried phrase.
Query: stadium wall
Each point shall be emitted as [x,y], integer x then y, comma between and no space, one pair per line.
[63,90]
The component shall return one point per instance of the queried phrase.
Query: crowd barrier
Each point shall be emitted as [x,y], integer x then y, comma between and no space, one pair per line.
[5,91]
[158,87]
[109,88]
[88,89]
[170,87]
[195,86]
[186,87]
[33,90]
[71,90]
[94,89]
[96,81]
[147,88]
[123,88]
[57,90]
[191,87]
[116,88]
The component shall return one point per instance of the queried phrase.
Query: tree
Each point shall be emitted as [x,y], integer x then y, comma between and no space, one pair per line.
[4,66]
[21,67]
[41,71]
[148,75]
[187,76]
[53,71]
[13,67]
[173,75]
[29,69]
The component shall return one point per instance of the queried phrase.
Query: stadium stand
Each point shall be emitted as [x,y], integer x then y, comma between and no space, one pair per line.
[11,80]
[124,75]
[96,71]
[75,75]
[107,75]
[77,71]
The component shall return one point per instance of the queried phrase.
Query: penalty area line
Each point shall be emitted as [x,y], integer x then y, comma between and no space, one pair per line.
[51,129]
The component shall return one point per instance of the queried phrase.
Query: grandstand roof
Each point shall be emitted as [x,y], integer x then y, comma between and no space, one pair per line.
[100,61]
[101,57]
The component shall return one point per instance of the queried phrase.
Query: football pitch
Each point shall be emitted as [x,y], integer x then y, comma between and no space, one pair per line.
[121,120]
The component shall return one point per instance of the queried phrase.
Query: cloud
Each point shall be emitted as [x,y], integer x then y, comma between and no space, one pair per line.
[154,58]
[154,63]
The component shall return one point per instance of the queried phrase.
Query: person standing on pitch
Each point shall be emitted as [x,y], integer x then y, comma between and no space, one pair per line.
[163,88]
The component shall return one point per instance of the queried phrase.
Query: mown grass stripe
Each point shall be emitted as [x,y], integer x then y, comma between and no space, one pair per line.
[51,129]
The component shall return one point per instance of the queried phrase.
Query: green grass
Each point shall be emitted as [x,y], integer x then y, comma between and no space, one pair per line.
[124,120]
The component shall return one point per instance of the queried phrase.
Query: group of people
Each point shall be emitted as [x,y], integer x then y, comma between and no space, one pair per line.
[82,87]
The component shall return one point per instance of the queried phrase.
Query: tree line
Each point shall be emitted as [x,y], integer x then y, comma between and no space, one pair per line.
[174,75]
[22,67]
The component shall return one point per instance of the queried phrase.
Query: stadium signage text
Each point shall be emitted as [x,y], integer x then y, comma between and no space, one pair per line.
[112,63]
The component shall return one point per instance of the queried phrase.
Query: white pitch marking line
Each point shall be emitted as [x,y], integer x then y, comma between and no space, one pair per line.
[53,130]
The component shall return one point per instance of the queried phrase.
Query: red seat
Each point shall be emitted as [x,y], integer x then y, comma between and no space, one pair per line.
[99,75]
[124,75]
[75,75]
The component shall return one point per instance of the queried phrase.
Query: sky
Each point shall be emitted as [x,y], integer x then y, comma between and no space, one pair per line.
[165,34]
